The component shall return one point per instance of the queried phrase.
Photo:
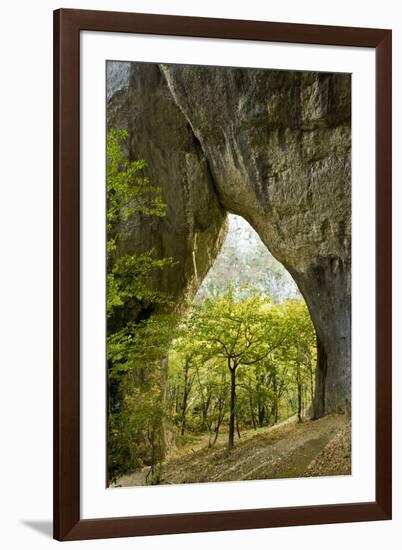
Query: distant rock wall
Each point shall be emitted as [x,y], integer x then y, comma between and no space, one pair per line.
[271,146]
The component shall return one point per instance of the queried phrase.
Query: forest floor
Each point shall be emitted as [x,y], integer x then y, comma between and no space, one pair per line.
[287,450]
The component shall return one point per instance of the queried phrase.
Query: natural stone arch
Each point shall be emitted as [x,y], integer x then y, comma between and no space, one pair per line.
[271,146]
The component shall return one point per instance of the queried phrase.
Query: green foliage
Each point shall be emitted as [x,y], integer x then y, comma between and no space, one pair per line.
[243,330]
[137,360]
[135,402]
[268,348]
[129,192]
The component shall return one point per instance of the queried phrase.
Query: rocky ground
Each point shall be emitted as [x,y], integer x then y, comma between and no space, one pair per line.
[287,450]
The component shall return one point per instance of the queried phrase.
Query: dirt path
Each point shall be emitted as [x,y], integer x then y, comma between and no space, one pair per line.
[286,450]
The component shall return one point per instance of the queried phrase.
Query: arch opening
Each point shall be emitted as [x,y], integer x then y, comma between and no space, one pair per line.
[244,356]
[244,260]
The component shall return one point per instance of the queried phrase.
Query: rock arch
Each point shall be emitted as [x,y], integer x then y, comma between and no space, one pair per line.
[271,146]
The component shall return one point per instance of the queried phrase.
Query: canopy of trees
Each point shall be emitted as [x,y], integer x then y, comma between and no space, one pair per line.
[241,362]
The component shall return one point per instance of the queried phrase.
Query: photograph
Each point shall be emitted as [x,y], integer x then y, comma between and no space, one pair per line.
[228,273]
[202,229]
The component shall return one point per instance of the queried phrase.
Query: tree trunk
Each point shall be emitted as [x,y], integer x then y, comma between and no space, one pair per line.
[252,411]
[299,402]
[237,427]
[159,427]
[310,368]
[276,399]
[185,399]
[261,414]
[232,405]
[205,408]
[299,389]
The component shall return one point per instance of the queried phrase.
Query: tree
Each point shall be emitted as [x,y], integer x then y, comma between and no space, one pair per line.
[299,349]
[181,362]
[212,385]
[240,331]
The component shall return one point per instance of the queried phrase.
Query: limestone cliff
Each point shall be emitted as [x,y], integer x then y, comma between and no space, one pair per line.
[271,146]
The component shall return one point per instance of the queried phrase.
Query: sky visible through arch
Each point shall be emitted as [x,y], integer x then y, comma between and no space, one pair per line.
[245,260]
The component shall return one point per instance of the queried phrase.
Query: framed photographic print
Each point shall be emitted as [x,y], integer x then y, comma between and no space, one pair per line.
[222,341]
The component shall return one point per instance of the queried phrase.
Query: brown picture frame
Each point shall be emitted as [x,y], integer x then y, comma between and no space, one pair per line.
[67,26]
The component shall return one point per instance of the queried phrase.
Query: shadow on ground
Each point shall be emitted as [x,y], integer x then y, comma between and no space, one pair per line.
[43,527]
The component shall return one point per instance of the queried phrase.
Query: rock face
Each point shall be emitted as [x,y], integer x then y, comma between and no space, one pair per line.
[271,146]
[160,134]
